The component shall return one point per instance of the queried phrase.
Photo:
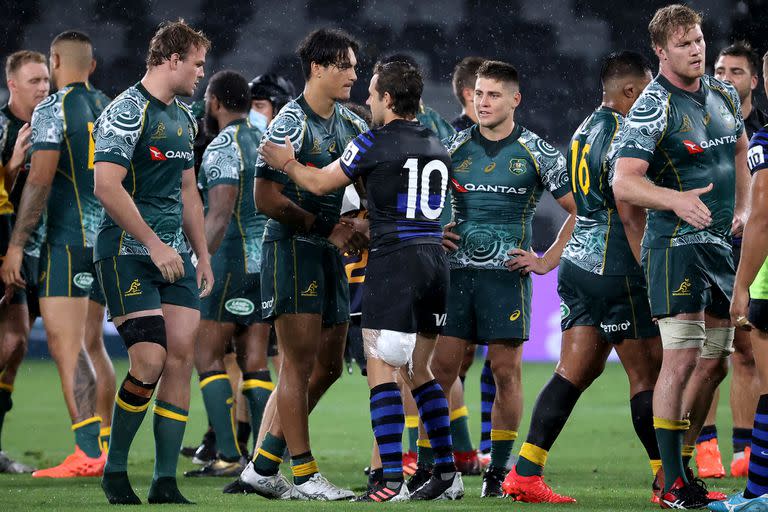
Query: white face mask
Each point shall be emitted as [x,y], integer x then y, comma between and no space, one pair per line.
[258,120]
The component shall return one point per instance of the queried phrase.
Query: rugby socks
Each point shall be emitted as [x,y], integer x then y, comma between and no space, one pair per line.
[5,405]
[412,426]
[741,438]
[217,397]
[425,456]
[433,410]
[641,407]
[669,435]
[168,425]
[501,447]
[128,413]
[104,438]
[707,433]
[487,397]
[550,412]
[256,388]
[243,434]
[269,455]
[757,480]
[462,441]
[388,422]
[87,436]
[303,467]
[687,452]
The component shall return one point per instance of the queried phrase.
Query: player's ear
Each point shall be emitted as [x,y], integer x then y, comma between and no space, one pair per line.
[629,90]
[660,52]
[93,67]
[517,98]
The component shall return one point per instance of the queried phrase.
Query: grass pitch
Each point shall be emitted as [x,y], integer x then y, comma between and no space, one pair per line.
[597,459]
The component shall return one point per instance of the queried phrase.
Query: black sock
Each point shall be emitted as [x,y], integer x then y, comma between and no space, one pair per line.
[641,406]
[742,437]
[757,483]
[243,432]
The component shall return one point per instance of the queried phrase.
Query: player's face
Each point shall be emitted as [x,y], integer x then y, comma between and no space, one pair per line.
[190,71]
[736,71]
[378,104]
[339,78]
[495,101]
[211,123]
[685,52]
[30,84]
[263,107]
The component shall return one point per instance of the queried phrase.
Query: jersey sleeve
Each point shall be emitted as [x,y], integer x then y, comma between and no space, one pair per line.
[552,168]
[644,127]
[758,151]
[48,124]
[289,122]
[356,160]
[735,102]
[117,131]
[222,161]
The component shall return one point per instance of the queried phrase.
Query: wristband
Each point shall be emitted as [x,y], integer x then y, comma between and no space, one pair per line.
[322,226]
[287,162]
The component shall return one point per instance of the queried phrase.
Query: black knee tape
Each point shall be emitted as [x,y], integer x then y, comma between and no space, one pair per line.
[132,398]
[148,329]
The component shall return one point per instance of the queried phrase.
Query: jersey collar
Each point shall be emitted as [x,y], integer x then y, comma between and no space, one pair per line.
[698,96]
[144,92]
[492,147]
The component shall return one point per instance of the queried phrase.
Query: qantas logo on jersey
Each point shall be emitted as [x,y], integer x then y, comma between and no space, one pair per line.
[692,147]
[157,155]
[499,189]
[711,143]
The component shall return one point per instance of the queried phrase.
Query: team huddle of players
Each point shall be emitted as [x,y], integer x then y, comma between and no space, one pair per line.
[101,206]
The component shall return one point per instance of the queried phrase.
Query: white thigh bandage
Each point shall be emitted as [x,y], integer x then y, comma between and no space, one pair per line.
[393,347]
[679,334]
[719,344]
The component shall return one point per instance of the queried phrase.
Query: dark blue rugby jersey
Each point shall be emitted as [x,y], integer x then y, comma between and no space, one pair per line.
[405,169]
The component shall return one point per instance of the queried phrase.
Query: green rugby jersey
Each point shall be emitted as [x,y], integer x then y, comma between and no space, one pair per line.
[598,243]
[64,122]
[316,142]
[432,120]
[230,159]
[153,141]
[496,188]
[689,141]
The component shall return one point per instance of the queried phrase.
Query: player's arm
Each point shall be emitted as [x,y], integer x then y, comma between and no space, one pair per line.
[741,210]
[318,181]
[18,157]
[221,204]
[528,261]
[194,227]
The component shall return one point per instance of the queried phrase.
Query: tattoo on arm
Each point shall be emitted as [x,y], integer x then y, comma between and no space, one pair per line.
[85,387]
[34,199]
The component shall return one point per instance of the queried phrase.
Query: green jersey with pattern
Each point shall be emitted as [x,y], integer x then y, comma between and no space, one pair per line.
[64,122]
[153,141]
[598,243]
[316,142]
[689,141]
[432,120]
[230,159]
[496,188]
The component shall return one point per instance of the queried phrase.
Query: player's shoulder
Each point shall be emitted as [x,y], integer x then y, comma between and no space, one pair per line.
[455,141]
[129,102]
[538,147]
[757,156]
[187,110]
[52,103]
[357,121]
[760,138]
[723,87]
[225,141]
[653,101]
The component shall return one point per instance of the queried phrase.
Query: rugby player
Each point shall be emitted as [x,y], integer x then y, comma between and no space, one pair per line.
[27,79]
[688,123]
[233,231]
[405,173]
[748,312]
[308,300]
[463,82]
[604,304]
[500,170]
[60,182]
[737,64]
[144,178]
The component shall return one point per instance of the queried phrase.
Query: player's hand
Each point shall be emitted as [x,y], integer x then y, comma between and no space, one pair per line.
[740,308]
[689,207]
[23,143]
[276,155]
[341,235]
[737,225]
[168,261]
[204,276]
[361,236]
[10,272]
[526,262]
[450,239]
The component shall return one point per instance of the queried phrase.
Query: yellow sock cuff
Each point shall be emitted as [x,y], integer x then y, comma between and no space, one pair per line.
[534,454]
[688,450]
[165,413]
[423,443]
[503,435]
[256,383]
[93,419]
[655,466]
[459,413]
[105,431]
[412,421]
[270,456]
[131,408]
[671,424]
[306,469]
[6,387]
[212,378]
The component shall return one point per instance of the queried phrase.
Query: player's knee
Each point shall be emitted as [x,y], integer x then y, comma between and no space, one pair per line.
[714,370]
[506,374]
[718,345]
[393,347]
[678,334]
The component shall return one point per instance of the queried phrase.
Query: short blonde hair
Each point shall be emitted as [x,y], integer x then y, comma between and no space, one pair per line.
[17,59]
[668,19]
[174,37]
